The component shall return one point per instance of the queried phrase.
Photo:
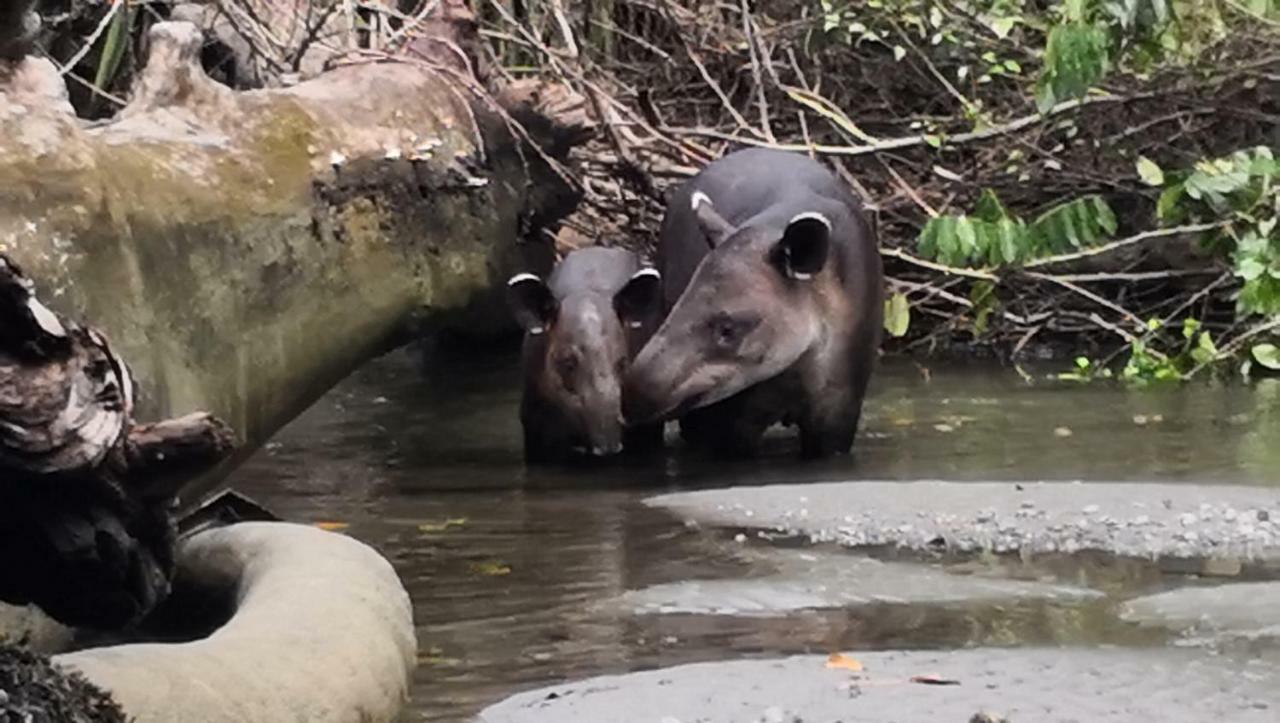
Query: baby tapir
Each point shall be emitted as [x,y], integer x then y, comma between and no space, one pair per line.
[774,286]
[582,328]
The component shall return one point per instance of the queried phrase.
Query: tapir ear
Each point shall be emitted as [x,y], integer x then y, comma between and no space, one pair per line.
[531,302]
[641,298]
[714,228]
[804,247]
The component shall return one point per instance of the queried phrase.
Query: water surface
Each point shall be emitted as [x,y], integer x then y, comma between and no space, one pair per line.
[509,568]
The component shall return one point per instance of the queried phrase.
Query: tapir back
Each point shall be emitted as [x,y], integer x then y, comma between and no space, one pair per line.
[763,186]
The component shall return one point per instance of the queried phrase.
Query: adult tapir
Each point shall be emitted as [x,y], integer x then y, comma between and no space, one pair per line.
[582,328]
[774,286]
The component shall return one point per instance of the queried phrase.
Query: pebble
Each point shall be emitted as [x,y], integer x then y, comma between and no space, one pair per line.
[1091,509]
[1187,519]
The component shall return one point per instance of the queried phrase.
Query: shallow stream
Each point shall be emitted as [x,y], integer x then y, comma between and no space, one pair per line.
[526,578]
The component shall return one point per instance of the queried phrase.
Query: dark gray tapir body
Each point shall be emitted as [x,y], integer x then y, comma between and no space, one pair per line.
[774,286]
[582,328]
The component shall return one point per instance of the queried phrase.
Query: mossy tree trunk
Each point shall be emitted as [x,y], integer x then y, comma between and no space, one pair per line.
[245,251]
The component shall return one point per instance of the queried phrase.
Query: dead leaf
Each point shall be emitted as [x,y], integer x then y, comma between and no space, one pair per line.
[433,527]
[844,662]
[933,680]
[436,657]
[332,526]
[491,567]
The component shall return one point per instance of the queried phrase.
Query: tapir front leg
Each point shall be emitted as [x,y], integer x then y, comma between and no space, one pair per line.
[830,422]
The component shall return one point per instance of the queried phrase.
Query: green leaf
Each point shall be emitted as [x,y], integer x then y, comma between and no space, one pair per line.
[1076,57]
[967,235]
[1205,351]
[1268,355]
[1149,172]
[989,208]
[1212,179]
[897,315]
[1189,328]
[1081,222]
[983,298]
[933,140]
[1012,239]
[1002,26]
[1045,99]
[1250,269]
[1167,207]
[114,47]
[899,52]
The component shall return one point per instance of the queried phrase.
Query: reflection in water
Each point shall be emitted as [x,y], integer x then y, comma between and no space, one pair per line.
[506,567]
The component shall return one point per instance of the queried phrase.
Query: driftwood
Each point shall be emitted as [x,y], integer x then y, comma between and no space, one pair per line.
[86,498]
[244,251]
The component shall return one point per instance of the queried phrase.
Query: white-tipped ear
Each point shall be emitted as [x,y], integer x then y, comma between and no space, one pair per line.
[521,278]
[714,228]
[811,215]
[805,243]
[640,299]
[531,301]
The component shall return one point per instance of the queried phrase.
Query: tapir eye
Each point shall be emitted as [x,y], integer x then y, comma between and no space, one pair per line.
[727,330]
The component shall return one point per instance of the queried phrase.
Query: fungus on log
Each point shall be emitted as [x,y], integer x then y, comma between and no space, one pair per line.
[86,496]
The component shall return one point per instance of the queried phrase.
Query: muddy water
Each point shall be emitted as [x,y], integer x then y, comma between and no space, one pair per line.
[519,577]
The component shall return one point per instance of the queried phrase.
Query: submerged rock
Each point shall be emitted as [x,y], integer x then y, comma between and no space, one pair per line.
[1134,520]
[1042,685]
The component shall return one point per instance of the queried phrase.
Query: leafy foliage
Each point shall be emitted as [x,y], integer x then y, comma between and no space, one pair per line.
[1241,188]
[994,237]
[1076,57]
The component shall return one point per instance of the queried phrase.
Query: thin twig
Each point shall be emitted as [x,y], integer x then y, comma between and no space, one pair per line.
[1100,301]
[93,38]
[895,144]
[933,266]
[1124,242]
[761,102]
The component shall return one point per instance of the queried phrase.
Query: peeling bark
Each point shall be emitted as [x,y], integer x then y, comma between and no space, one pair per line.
[86,531]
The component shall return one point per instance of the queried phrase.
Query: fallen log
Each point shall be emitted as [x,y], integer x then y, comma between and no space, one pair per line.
[243,251]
